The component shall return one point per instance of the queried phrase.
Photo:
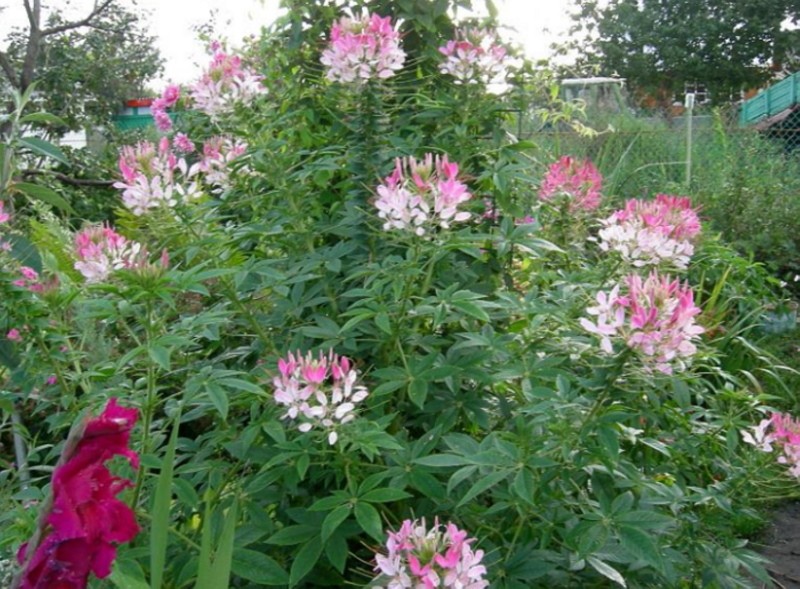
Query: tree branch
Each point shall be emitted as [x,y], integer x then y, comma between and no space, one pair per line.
[32,20]
[8,69]
[67,179]
[85,22]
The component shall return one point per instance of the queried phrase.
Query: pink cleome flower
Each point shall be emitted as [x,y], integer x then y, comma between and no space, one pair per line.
[4,217]
[182,143]
[169,97]
[577,181]
[654,317]
[13,335]
[653,232]
[780,431]
[154,177]
[363,49]
[100,251]
[224,84]
[218,152]
[474,57]
[318,391]
[421,558]
[86,520]
[421,195]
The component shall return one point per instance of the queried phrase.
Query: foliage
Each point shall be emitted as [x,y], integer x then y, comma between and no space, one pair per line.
[85,69]
[659,45]
[471,393]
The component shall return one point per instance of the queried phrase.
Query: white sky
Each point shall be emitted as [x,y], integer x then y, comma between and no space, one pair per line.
[536,22]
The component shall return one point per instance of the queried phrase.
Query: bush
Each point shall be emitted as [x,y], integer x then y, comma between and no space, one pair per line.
[335,344]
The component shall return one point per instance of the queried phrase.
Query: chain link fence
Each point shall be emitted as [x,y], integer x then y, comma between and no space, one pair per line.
[642,155]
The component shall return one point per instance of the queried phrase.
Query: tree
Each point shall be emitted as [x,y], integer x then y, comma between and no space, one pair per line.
[82,67]
[659,45]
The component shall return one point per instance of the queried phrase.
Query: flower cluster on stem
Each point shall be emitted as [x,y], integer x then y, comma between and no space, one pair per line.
[420,558]
[80,529]
[154,176]
[169,97]
[654,317]
[224,84]
[421,195]
[474,57]
[99,251]
[362,49]
[659,232]
[577,181]
[218,153]
[782,432]
[318,391]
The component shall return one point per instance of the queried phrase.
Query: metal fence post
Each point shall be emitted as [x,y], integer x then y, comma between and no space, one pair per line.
[689,103]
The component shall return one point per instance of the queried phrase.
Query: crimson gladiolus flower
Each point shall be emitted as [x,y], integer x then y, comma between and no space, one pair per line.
[85,520]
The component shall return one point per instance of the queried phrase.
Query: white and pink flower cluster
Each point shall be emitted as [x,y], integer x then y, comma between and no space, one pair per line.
[225,84]
[421,195]
[659,232]
[319,391]
[100,250]
[420,558]
[169,97]
[781,432]
[362,49]
[30,280]
[654,317]
[218,152]
[154,177]
[474,57]
[577,181]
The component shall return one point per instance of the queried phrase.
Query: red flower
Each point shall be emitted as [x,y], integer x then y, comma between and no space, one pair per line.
[86,520]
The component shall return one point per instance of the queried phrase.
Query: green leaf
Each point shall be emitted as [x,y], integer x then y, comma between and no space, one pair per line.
[45,148]
[159,355]
[443,460]
[44,194]
[370,520]
[219,398]
[484,484]
[384,495]
[336,551]
[606,570]
[641,545]
[258,568]
[524,485]
[8,357]
[43,117]
[646,520]
[333,520]
[242,385]
[471,309]
[382,321]
[460,476]
[292,535]
[418,391]
[161,507]
[127,574]
[593,538]
[223,559]
[305,561]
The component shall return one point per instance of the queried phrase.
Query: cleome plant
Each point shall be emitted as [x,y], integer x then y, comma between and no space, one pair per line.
[346,329]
